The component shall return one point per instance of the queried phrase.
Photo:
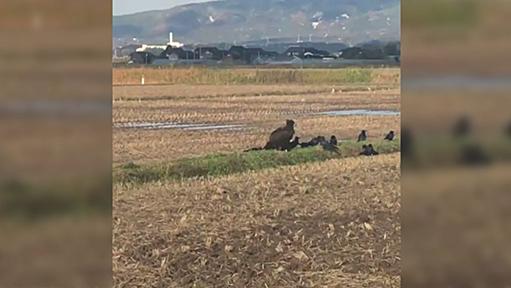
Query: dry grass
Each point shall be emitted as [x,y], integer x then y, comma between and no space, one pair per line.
[47,150]
[196,76]
[45,253]
[480,25]
[186,91]
[243,106]
[456,224]
[333,223]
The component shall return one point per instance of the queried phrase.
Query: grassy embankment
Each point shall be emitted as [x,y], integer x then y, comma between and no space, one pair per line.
[225,164]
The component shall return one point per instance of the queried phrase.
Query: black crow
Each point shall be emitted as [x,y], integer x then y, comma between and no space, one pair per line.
[462,127]
[362,136]
[508,129]
[333,140]
[390,136]
[373,152]
[474,155]
[327,146]
[368,150]
[313,142]
[365,150]
[407,144]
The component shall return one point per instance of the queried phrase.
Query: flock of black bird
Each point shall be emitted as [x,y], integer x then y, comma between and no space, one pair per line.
[282,139]
[471,152]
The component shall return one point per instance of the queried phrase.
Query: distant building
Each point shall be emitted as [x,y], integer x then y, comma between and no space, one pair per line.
[142,57]
[236,53]
[392,48]
[124,51]
[173,53]
[366,52]
[352,53]
[171,43]
[284,60]
[249,55]
[307,53]
[209,53]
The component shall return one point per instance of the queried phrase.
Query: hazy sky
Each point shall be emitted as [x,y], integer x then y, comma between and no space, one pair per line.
[121,7]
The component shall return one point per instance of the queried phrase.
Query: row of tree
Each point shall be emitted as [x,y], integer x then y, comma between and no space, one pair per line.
[246,55]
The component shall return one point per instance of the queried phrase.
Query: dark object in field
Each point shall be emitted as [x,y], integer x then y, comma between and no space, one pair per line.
[333,140]
[280,138]
[508,129]
[474,155]
[368,150]
[462,127]
[362,136]
[291,145]
[390,136]
[327,146]
[407,144]
[319,139]
[365,150]
[253,149]
[306,144]
[313,142]
[372,149]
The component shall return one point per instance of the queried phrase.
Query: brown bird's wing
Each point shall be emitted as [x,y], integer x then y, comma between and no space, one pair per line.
[281,137]
[277,131]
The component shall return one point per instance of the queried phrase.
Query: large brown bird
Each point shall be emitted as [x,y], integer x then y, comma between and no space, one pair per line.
[280,138]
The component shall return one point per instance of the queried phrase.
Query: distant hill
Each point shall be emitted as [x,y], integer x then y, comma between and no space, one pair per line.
[237,21]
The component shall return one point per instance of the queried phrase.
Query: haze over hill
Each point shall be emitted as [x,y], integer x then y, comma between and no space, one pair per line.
[238,21]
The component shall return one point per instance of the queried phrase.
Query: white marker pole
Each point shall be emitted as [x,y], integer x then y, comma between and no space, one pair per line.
[142,81]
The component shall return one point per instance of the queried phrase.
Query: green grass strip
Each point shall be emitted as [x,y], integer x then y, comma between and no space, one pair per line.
[226,164]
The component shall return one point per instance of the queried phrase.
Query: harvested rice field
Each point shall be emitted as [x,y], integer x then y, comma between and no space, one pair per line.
[191,209]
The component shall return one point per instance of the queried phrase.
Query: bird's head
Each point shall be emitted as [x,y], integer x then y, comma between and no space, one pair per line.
[290,123]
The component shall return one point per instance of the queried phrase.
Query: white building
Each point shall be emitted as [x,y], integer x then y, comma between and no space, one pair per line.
[172,43]
[160,46]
